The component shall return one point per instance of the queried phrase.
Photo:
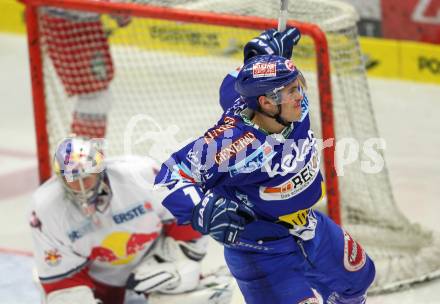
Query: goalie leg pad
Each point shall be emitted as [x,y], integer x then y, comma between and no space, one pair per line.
[90,114]
[79,51]
[109,294]
[73,295]
[89,125]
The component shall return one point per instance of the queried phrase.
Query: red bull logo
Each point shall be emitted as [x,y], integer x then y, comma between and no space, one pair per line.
[121,248]
[52,258]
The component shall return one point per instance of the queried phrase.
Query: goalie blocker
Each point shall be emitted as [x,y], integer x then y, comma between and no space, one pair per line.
[79,50]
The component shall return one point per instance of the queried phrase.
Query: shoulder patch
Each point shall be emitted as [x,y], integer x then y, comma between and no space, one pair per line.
[354,255]
[228,123]
[236,146]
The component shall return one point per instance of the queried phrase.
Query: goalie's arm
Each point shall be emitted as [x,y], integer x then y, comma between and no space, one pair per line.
[60,270]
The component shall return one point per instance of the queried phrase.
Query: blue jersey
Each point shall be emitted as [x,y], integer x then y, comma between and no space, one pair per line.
[277,175]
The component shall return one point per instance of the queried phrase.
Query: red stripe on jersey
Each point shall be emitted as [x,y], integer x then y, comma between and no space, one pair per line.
[80,278]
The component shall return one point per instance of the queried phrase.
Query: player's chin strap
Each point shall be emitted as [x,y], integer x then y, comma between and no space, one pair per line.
[277,116]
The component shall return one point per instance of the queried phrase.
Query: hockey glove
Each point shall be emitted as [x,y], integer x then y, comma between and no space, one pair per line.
[272,42]
[168,268]
[221,218]
[214,288]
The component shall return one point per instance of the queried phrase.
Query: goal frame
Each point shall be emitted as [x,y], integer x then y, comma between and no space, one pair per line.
[173,14]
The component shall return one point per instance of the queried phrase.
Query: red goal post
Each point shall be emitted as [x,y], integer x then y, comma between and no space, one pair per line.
[173,14]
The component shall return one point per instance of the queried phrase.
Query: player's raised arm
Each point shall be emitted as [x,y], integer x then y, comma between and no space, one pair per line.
[269,42]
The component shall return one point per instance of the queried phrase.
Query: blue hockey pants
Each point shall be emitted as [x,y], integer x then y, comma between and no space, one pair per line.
[332,263]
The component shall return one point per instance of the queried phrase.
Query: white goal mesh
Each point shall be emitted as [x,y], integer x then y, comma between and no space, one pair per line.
[165,92]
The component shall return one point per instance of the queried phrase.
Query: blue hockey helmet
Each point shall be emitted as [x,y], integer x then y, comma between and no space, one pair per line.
[264,75]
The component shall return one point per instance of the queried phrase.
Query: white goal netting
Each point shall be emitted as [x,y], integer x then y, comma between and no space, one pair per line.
[165,92]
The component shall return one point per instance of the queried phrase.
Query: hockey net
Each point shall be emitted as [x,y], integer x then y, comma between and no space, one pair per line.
[168,65]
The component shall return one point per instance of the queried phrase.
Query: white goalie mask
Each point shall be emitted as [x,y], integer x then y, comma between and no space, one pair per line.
[79,163]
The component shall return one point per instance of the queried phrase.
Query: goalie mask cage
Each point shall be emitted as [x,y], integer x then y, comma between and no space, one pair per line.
[168,64]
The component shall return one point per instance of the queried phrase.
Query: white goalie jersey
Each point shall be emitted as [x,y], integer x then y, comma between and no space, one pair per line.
[111,242]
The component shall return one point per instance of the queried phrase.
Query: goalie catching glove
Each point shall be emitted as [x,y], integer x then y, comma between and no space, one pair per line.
[172,267]
[272,42]
[214,288]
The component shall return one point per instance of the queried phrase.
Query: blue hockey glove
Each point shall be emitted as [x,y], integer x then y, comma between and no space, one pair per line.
[221,218]
[272,42]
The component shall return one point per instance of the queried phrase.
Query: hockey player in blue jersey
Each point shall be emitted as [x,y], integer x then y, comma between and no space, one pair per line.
[251,182]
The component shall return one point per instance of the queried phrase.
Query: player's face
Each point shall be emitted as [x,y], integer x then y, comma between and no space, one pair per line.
[88,183]
[291,97]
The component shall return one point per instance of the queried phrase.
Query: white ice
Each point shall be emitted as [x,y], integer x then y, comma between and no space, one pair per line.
[408,118]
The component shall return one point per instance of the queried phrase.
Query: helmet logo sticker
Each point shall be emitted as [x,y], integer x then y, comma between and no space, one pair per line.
[289,64]
[264,69]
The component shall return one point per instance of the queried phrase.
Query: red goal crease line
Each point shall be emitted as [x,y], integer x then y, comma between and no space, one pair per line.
[16,252]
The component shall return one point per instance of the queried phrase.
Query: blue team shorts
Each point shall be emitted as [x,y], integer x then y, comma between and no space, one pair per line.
[331,262]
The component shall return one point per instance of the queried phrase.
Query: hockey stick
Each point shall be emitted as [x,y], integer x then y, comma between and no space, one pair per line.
[282,19]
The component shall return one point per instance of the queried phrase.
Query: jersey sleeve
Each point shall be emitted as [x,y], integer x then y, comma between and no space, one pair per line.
[187,175]
[54,257]
[205,165]
[193,170]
